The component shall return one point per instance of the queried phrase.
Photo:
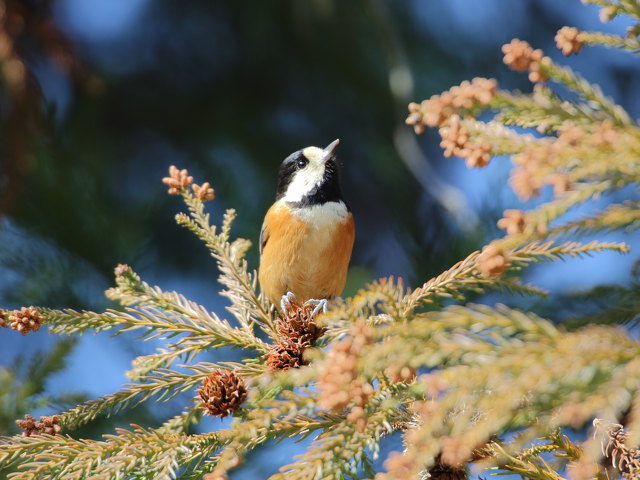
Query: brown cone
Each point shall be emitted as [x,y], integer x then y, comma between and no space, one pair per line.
[297,325]
[285,355]
[28,424]
[441,471]
[48,425]
[222,393]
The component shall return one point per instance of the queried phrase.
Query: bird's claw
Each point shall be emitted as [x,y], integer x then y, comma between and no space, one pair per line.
[319,305]
[285,302]
[289,298]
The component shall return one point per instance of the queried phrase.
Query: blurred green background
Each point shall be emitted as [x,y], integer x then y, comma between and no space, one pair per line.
[115,91]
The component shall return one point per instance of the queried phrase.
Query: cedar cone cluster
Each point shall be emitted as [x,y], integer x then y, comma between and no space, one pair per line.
[560,183]
[204,192]
[434,111]
[608,13]
[222,393]
[178,180]
[583,469]
[572,414]
[568,40]
[25,320]
[513,221]
[624,458]
[529,177]
[520,56]
[398,465]
[492,261]
[525,182]
[455,141]
[531,172]
[455,452]
[297,331]
[339,381]
[46,425]
[604,134]
[570,135]
[400,374]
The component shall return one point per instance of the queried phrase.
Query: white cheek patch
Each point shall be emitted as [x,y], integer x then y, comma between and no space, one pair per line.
[304,181]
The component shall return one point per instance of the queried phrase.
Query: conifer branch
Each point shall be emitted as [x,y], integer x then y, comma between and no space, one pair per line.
[503,140]
[163,384]
[466,276]
[589,92]
[536,252]
[462,274]
[609,40]
[542,110]
[241,286]
[131,291]
[160,314]
[470,334]
[527,465]
[140,451]
[341,450]
[291,415]
[181,422]
[539,219]
[618,7]
[201,328]
[499,390]
[624,216]
[607,305]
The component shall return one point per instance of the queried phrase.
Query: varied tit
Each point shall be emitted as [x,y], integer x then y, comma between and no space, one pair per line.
[308,233]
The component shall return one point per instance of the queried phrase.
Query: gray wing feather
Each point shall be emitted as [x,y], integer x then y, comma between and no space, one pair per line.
[264,237]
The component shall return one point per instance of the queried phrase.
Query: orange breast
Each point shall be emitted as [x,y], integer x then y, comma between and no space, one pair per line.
[306,252]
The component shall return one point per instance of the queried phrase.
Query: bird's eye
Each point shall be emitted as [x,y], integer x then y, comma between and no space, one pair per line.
[302,162]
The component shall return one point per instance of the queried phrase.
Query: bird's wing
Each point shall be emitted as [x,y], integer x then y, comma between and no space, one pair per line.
[264,236]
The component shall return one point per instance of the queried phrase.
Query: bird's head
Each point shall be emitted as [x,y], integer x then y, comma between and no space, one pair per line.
[310,176]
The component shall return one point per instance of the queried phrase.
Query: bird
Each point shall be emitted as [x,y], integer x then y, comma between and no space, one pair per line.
[308,233]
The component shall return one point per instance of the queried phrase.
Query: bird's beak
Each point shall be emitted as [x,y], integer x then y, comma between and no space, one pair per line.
[330,149]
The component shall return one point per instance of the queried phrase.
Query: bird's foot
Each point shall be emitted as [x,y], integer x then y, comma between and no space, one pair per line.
[285,302]
[319,305]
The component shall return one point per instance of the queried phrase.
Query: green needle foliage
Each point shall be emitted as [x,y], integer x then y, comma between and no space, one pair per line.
[454,379]
[22,384]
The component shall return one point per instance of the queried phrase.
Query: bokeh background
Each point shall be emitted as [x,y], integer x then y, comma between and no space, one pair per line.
[99,97]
